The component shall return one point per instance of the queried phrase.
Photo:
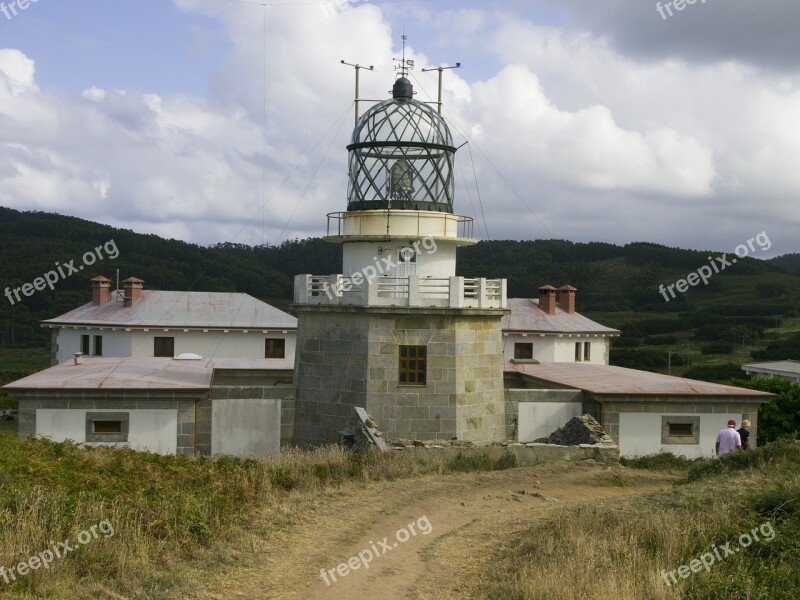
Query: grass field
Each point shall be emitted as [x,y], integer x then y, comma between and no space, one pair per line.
[633,549]
[176,520]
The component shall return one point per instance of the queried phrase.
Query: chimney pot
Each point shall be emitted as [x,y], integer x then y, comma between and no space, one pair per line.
[566,298]
[101,290]
[547,299]
[132,287]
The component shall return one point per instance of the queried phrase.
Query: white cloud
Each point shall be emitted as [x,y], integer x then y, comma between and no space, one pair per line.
[600,144]
[18,70]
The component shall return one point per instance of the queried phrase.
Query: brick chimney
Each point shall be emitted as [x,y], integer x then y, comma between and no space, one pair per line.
[101,290]
[133,290]
[566,298]
[547,299]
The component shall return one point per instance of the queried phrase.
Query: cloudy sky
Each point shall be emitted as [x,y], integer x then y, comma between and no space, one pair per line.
[227,120]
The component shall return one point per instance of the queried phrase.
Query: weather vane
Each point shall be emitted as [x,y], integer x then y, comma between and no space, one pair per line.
[405,65]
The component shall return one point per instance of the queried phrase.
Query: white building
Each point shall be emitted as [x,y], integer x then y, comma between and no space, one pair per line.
[169,406]
[777,369]
[170,372]
[646,413]
[142,323]
[548,329]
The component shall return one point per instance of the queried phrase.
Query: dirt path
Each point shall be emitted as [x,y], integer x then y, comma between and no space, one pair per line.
[458,521]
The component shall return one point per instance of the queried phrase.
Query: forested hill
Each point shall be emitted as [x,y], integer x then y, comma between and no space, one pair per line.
[790,262]
[608,277]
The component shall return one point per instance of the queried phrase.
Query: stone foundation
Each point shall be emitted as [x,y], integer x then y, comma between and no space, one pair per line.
[349,356]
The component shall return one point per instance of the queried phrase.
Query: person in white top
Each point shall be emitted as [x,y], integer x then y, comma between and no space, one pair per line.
[728,439]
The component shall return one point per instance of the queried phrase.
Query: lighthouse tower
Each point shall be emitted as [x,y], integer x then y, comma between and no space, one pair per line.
[398,333]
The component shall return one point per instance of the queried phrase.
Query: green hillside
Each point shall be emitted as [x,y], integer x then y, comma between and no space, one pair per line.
[748,310]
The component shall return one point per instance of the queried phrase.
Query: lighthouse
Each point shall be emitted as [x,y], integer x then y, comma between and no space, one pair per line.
[397,332]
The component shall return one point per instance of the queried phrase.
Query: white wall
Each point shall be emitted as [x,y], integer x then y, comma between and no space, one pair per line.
[119,343]
[217,344]
[555,349]
[115,343]
[540,419]
[245,427]
[640,434]
[153,430]
[440,262]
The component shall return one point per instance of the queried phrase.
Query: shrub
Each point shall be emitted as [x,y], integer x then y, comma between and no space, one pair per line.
[716,373]
[472,462]
[645,358]
[717,348]
[660,461]
[482,462]
[654,326]
[780,350]
[775,454]
[282,478]
[781,416]
[508,460]
[626,341]
[661,340]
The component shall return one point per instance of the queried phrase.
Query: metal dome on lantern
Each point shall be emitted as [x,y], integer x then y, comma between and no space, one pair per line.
[401,156]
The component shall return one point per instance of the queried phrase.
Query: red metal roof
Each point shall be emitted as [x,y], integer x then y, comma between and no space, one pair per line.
[141,373]
[181,309]
[526,316]
[607,379]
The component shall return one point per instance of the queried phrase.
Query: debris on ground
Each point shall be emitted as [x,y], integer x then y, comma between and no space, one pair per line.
[362,432]
[579,430]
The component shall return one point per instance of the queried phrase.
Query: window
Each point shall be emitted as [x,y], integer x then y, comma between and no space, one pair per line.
[407,255]
[587,353]
[98,345]
[681,429]
[85,345]
[275,348]
[523,351]
[164,347]
[578,352]
[107,427]
[413,365]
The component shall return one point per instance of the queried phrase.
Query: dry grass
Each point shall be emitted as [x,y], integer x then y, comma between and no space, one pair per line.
[618,549]
[173,518]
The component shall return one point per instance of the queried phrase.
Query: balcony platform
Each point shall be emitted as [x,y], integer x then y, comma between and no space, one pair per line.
[408,292]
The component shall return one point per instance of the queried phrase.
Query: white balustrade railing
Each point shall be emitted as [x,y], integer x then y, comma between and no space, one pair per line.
[414,291]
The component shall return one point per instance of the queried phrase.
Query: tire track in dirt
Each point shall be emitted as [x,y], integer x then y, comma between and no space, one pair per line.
[467,514]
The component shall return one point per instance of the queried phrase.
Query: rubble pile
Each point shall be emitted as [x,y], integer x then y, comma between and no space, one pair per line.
[579,430]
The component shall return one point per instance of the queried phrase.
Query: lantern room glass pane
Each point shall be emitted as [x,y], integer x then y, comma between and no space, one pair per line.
[401,157]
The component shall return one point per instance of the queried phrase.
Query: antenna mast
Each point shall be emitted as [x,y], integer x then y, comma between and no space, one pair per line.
[404,65]
[441,69]
[358,81]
